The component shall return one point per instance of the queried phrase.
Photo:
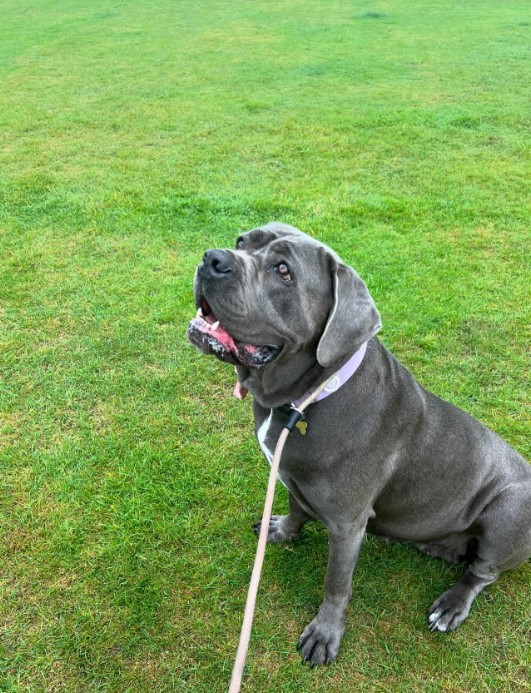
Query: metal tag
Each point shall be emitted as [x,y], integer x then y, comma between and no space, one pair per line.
[302,426]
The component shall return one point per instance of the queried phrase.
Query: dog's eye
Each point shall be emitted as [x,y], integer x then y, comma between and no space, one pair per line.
[283,270]
[239,243]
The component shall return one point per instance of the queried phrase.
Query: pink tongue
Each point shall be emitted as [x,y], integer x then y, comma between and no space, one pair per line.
[219,334]
[239,390]
[246,354]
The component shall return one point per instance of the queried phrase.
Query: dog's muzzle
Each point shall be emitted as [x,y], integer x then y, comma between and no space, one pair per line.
[207,333]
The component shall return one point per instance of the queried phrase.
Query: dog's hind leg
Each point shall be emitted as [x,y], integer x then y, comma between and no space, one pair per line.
[457,548]
[285,527]
[504,543]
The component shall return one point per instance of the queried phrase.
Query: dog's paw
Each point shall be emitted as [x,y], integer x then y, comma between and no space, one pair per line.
[277,529]
[448,612]
[319,643]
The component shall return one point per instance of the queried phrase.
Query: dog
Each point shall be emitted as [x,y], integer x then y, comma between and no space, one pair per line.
[380,453]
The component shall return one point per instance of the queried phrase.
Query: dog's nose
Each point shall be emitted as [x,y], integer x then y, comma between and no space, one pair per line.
[218,263]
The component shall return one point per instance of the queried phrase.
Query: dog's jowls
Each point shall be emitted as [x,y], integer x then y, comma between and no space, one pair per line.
[380,455]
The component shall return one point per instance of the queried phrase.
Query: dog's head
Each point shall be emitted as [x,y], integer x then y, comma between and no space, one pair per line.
[279,292]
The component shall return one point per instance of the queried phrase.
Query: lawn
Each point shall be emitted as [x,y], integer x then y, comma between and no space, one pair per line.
[133,136]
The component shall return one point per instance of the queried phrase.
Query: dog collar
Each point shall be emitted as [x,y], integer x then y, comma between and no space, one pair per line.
[296,417]
[340,378]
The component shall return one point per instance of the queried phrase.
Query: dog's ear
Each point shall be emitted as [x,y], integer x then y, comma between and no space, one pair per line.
[353,318]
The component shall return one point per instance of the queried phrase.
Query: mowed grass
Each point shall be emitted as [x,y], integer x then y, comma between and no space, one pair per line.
[132,137]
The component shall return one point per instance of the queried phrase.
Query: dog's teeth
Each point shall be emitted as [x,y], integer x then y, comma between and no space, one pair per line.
[199,313]
[215,326]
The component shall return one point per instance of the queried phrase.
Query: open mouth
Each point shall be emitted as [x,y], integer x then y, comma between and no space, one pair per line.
[209,336]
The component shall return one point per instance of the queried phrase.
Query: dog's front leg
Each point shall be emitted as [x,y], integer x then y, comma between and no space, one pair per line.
[321,639]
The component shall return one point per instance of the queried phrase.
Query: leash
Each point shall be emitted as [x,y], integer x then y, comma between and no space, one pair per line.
[245,635]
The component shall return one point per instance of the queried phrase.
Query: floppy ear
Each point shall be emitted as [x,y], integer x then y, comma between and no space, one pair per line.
[352,320]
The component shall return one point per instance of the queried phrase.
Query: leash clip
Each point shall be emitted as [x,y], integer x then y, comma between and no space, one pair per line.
[296,419]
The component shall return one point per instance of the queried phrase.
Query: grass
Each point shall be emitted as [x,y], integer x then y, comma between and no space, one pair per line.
[135,135]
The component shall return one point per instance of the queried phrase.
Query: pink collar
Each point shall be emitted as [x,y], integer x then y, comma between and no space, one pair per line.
[343,374]
[340,378]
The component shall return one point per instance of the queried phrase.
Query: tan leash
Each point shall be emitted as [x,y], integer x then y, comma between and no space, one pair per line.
[245,635]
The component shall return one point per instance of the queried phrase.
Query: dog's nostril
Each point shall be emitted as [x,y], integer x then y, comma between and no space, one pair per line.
[220,266]
[219,262]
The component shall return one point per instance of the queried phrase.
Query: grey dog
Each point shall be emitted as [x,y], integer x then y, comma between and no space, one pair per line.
[381,454]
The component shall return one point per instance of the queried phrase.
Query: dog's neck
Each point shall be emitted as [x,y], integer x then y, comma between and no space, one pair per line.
[294,376]
[341,376]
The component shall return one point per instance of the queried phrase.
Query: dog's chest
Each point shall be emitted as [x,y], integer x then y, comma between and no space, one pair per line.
[262,435]
[296,455]
[267,434]
[266,440]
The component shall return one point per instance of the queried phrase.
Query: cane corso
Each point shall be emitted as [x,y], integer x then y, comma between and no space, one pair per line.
[380,454]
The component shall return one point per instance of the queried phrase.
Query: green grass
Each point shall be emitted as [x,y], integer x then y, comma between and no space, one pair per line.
[135,135]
